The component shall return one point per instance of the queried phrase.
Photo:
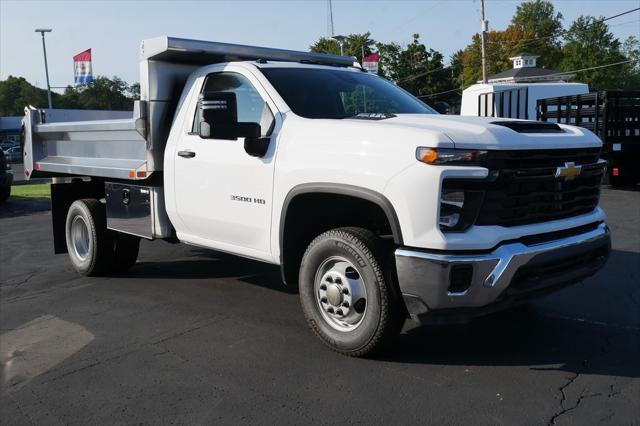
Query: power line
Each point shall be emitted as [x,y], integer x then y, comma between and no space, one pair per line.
[621,14]
[430,95]
[526,41]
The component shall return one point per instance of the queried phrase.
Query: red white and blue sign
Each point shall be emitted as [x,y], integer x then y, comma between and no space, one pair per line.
[82,68]
[370,63]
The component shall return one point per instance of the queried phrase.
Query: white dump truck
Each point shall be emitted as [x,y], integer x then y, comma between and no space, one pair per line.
[376,208]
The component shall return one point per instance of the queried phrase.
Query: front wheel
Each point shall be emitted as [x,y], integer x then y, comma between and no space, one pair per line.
[346,298]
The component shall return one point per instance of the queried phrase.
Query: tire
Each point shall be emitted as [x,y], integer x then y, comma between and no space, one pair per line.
[5,192]
[89,243]
[126,249]
[352,259]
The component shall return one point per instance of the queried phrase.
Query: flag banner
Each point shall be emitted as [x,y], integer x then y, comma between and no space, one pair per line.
[370,63]
[82,68]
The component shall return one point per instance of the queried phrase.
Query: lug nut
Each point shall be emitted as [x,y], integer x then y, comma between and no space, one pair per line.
[338,280]
[345,291]
[345,304]
[323,300]
[330,310]
[330,279]
[323,287]
[339,312]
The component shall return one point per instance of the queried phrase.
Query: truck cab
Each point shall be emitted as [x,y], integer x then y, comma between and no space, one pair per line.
[376,207]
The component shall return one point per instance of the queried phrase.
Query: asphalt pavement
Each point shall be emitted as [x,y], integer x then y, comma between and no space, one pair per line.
[190,336]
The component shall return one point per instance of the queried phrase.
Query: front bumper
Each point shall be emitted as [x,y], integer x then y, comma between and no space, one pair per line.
[459,285]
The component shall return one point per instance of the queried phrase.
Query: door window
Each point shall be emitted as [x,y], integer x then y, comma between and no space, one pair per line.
[251,107]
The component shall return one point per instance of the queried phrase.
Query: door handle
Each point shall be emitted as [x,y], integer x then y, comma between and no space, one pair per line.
[186,154]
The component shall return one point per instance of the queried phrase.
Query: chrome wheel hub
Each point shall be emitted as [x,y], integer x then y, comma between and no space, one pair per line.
[80,237]
[340,293]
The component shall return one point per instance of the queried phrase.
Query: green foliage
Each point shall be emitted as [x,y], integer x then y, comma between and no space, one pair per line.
[102,93]
[16,93]
[354,45]
[541,29]
[588,43]
[416,68]
[534,28]
[39,190]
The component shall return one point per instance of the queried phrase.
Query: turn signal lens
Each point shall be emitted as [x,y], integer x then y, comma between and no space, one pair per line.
[449,156]
[427,155]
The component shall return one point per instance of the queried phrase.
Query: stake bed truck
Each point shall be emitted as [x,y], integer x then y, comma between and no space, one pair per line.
[376,208]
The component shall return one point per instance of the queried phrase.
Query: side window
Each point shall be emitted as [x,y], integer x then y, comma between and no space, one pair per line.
[251,107]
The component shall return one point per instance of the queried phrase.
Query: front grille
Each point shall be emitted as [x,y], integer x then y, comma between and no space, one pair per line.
[523,189]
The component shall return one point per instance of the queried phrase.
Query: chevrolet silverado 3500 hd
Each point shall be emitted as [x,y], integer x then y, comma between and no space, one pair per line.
[375,207]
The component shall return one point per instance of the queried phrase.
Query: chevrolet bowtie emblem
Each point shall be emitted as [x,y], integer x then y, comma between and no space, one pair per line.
[569,171]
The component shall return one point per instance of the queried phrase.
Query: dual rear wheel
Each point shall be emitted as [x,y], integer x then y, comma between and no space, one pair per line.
[93,249]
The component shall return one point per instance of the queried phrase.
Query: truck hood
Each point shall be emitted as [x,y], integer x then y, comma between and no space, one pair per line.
[481,133]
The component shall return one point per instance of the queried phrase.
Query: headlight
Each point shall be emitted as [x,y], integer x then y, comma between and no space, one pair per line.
[451,204]
[439,156]
[458,207]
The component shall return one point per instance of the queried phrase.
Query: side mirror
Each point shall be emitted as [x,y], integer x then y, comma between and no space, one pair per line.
[218,115]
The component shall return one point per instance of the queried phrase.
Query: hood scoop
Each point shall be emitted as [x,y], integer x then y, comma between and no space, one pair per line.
[529,126]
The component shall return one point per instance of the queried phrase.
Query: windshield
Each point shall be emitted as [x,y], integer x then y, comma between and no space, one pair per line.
[329,93]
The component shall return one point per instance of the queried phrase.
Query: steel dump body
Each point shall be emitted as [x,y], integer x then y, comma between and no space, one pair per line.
[134,148]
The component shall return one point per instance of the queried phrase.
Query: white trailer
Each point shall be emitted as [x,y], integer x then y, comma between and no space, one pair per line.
[513,100]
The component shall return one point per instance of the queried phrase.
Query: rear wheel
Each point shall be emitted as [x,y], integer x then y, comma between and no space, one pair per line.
[126,249]
[89,244]
[345,296]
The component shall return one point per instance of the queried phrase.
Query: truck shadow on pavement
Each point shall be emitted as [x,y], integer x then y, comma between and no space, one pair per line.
[572,332]
[209,264]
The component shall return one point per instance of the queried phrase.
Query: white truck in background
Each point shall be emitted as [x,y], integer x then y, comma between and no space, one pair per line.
[375,207]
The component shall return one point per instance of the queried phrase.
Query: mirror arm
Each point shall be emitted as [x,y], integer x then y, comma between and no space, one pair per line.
[257,147]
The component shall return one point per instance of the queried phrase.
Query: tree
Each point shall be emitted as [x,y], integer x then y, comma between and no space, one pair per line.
[102,93]
[541,29]
[631,51]
[16,93]
[354,45]
[590,44]
[535,28]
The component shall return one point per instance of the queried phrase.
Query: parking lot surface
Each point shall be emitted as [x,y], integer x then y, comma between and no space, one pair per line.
[190,336]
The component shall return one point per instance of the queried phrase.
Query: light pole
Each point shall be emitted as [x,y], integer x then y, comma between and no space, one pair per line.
[340,39]
[46,67]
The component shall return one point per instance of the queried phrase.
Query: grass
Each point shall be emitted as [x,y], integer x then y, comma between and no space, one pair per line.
[40,190]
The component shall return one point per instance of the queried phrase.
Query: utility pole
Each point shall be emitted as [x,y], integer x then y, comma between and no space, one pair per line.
[46,67]
[330,29]
[483,40]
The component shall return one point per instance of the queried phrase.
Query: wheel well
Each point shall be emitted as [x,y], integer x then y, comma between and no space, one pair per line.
[308,215]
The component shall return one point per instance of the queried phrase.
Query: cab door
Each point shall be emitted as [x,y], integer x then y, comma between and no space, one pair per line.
[223,194]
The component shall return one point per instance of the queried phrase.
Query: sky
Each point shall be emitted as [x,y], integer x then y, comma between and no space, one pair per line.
[113,29]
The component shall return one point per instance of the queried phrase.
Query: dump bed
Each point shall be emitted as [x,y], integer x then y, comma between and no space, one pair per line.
[95,145]
[133,148]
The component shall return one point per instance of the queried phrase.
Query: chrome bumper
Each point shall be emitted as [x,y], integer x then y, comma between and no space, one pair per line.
[511,271]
